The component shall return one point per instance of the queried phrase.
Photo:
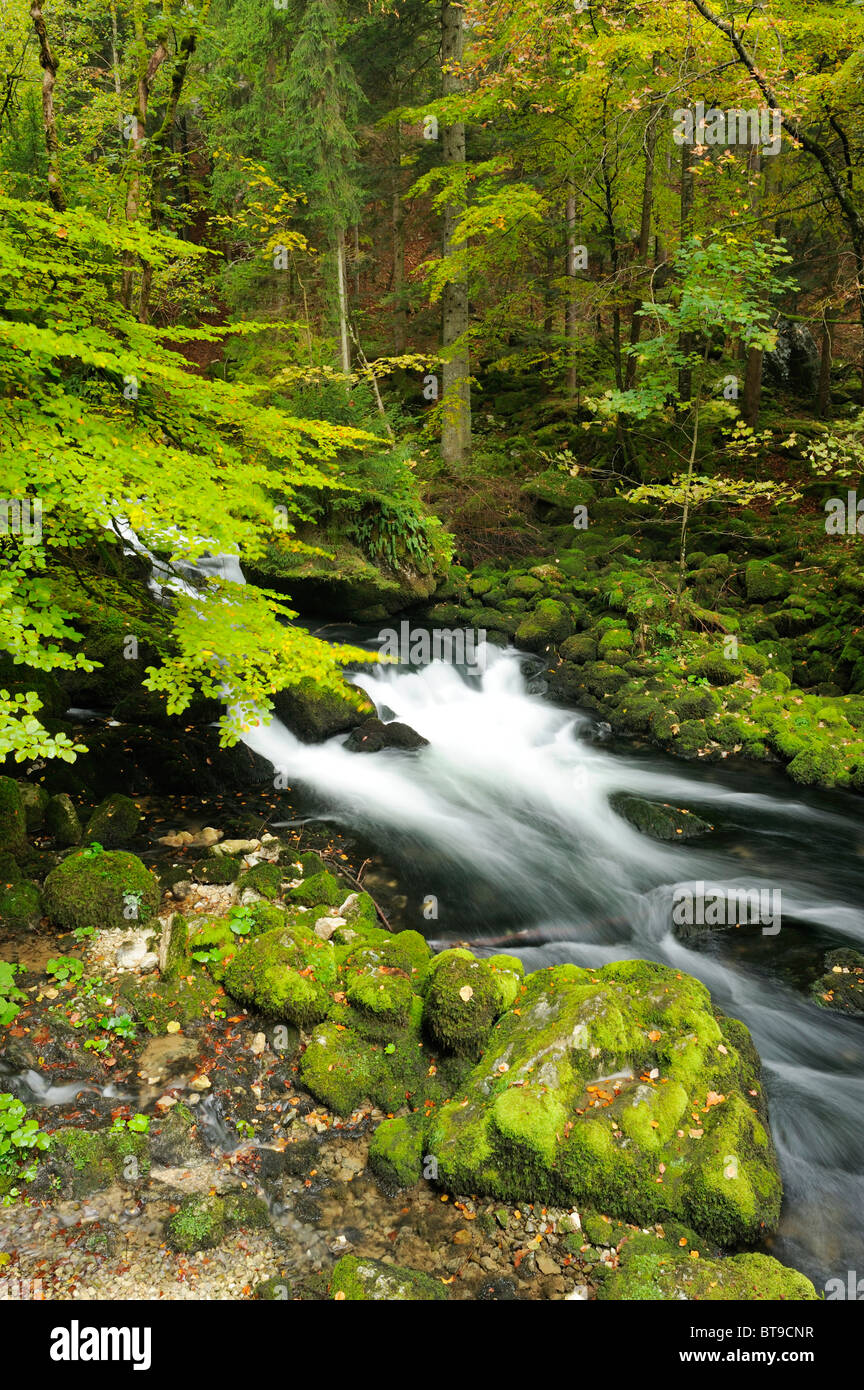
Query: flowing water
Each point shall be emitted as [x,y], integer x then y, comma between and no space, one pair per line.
[502,833]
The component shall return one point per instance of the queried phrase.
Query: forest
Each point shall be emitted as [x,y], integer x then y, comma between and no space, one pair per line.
[431,652]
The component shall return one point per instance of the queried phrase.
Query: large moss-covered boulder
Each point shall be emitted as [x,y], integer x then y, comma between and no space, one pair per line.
[114,822]
[660,821]
[842,985]
[623,1089]
[396,1150]
[652,1270]
[62,822]
[20,905]
[461,1002]
[549,623]
[35,799]
[13,821]
[285,974]
[317,890]
[765,580]
[221,869]
[360,1280]
[108,889]
[314,715]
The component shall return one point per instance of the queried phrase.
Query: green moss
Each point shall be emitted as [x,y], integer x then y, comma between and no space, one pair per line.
[105,890]
[285,974]
[266,879]
[198,1224]
[824,765]
[563,1106]
[86,1160]
[652,1269]
[660,821]
[13,822]
[764,580]
[113,823]
[20,906]
[219,869]
[508,973]
[549,623]
[461,1004]
[579,649]
[319,888]
[384,997]
[61,821]
[396,1151]
[156,1003]
[360,1280]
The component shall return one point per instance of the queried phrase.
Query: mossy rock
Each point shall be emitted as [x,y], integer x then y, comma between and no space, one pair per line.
[548,624]
[823,766]
[320,888]
[113,823]
[764,581]
[61,821]
[85,1160]
[587,1097]
[580,648]
[174,1138]
[198,1224]
[461,1004]
[360,1280]
[285,974]
[13,819]
[396,1151]
[109,889]
[156,1003]
[383,996]
[314,715]
[602,680]
[659,820]
[263,878]
[35,799]
[842,985]
[20,906]
[219,869]
[508,972]
[653,1270]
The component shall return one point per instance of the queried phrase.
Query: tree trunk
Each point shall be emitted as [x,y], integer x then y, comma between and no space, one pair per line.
[644,240]
[824,398]
[570,307]
[752,387]
[685,375]
[49,125]
[397,218]
[342,302]
[456,386]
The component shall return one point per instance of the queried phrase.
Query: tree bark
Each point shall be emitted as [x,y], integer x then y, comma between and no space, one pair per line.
[644,240]
[456,385]
[342,303]
[49,124]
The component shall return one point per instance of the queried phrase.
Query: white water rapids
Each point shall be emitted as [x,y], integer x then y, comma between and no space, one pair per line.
[506,819]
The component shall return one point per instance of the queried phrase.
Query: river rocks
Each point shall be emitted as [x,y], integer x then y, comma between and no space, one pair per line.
[20,905]
[266,879]
[619,1087]
[315,715]
[360,1280]
[842,985]
[174,1138]
[188,839]
[549,623]
[35,799]
[201,1222]
[765,580]
[321,889]
[285,974]
[61,821]
[114,822]
[652,1269]
[396,1150]
[105,889]
[217,870]
[373,735]
[167,1056]
[461,1002]
[13,823]
[660,821]
[83,1161]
